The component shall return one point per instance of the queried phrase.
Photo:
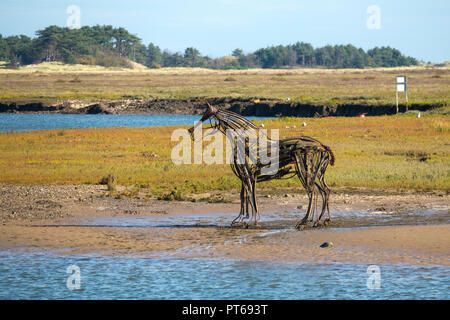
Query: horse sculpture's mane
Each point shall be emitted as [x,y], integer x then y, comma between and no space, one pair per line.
[231,120]
[234,120]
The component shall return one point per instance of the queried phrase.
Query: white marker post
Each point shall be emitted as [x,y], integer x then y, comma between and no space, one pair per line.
[401,87]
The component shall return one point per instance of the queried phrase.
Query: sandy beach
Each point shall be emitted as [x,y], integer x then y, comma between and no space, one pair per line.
[367,227]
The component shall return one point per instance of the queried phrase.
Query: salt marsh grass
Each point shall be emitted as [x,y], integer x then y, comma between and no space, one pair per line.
[387,152]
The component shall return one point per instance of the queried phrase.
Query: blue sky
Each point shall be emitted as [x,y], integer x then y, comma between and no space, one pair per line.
[418,28]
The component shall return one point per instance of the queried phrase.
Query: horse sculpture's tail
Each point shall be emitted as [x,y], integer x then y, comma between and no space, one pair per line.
[332,157]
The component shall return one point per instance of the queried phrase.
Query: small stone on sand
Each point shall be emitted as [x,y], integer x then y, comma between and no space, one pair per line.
[326,245]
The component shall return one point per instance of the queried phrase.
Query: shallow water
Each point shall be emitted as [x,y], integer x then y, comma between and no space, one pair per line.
[43,276]
[273,220]
[24,122]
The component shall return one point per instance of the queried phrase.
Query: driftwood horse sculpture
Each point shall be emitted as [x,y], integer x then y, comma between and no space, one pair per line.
[303,157]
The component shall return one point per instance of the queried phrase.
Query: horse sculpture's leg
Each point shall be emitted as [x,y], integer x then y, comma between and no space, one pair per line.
[318,222]
[326,197]
[323,196]
[247,196]
[302,173]
[244,202]
[328,220]
[247,203]
[300,225]
[310,167]
[249,180]
[251,199]
[255,203]
[322,188]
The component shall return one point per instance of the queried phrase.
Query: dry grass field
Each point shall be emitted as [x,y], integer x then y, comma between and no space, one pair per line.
[388,152]
[53,81]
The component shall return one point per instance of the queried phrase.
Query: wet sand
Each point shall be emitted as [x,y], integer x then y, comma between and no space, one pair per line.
[62,219]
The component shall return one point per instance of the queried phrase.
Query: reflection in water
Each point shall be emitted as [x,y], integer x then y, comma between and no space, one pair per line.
[43,276]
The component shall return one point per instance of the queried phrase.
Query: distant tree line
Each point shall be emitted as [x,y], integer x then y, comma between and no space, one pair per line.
[109,46]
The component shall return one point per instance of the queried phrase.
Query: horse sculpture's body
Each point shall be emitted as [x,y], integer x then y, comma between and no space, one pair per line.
[302,156]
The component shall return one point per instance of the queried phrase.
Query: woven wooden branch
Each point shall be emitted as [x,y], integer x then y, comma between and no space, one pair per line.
[304,157]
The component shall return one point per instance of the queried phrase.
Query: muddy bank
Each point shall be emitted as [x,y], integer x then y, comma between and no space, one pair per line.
[59,202]
[246,107]
[79,219]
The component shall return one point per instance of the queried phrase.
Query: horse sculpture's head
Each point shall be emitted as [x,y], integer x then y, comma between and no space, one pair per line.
[209,113]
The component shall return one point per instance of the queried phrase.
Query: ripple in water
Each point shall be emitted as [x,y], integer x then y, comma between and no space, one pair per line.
[43,276]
